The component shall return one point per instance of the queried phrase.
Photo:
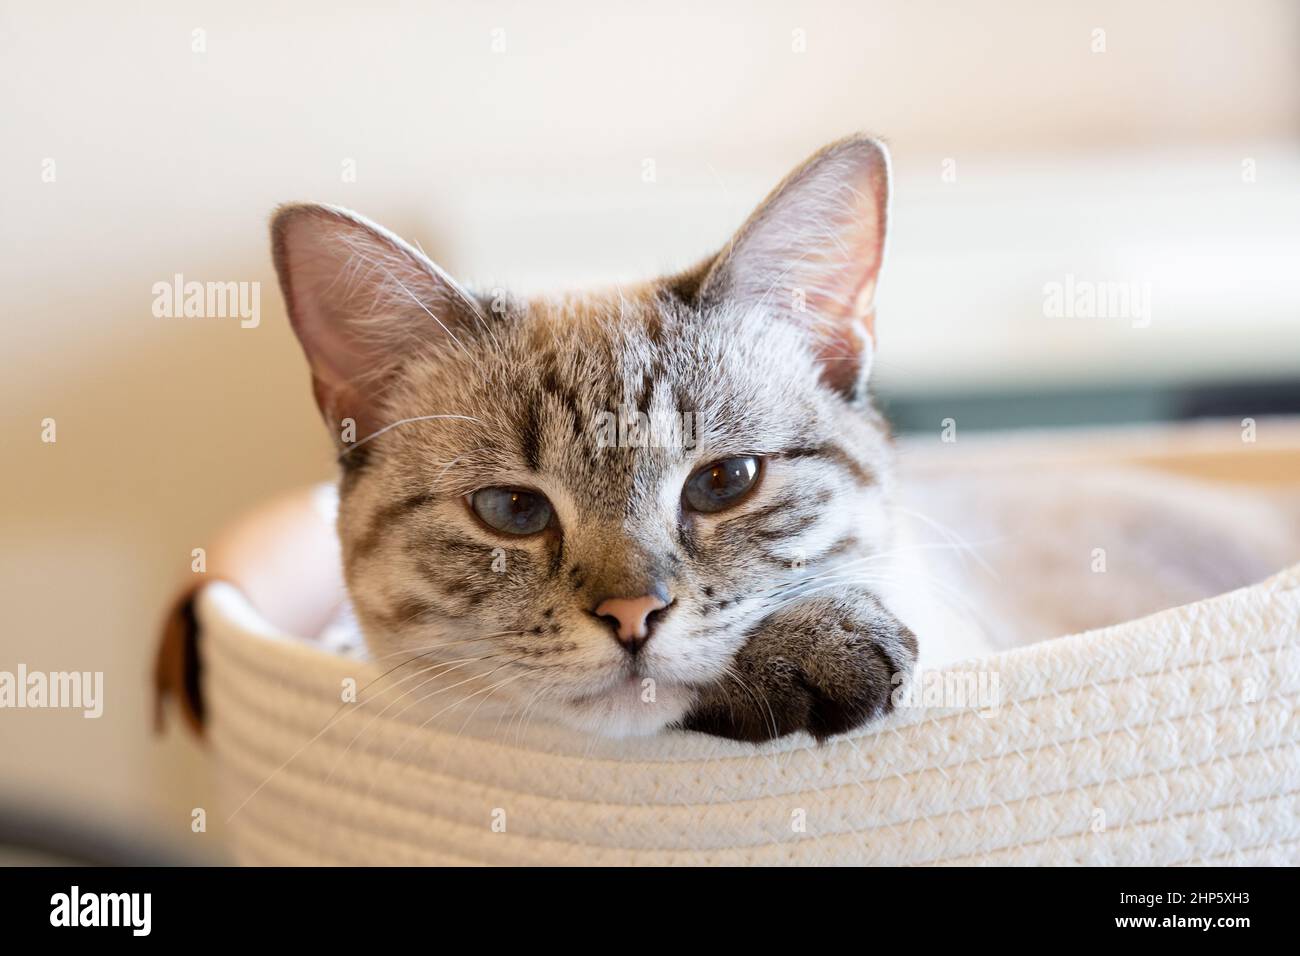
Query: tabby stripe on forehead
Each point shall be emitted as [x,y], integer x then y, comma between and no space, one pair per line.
[685,404]
[654,327]
[649,379]
[530,438]
[837,455]
[562,394]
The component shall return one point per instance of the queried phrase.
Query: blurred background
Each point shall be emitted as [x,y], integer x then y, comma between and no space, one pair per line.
[1147,148]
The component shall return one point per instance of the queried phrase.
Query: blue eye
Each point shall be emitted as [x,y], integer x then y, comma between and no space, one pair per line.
[721,484]
[512,510]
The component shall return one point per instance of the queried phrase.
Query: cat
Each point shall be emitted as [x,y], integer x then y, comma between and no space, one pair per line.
[751,568]
[489,516]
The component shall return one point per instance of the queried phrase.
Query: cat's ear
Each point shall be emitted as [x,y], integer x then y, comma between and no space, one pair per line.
[361,301]
[811,252]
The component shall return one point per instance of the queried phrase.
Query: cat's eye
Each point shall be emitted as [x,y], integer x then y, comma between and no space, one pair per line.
[512,510]
[721,484]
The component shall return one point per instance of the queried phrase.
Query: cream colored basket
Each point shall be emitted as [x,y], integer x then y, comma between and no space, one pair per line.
[1173,739]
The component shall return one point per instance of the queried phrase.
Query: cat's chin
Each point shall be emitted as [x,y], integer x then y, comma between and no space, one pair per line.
[627,710]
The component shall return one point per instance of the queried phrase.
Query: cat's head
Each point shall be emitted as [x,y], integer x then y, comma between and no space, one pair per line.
[583,502]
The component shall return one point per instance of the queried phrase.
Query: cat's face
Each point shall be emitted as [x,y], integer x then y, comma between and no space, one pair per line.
[583,504]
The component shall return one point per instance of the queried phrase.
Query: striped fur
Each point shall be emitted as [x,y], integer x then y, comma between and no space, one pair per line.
[762,638]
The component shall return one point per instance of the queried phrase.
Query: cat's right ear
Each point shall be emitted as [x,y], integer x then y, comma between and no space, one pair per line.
[360,300]
[811,253]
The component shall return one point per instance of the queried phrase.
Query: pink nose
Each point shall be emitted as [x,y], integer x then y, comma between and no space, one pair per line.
[631,615]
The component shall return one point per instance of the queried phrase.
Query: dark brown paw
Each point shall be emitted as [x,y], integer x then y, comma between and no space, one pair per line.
[823,666]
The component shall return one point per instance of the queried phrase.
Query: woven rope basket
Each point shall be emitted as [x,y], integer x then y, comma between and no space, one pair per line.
[1169,740]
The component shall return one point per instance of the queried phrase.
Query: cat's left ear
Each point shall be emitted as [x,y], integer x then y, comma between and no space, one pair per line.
[811,253]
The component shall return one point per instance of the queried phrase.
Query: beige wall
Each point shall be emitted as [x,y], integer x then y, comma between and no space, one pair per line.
[522,165]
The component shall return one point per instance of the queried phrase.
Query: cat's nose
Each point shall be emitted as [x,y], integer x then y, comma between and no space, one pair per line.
[633,618]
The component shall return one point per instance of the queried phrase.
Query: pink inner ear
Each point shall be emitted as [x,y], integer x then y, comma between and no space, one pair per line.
[816,245]
[313,259]
[843,351]
[847,260]
[359,299]
[846,314]
[822,228]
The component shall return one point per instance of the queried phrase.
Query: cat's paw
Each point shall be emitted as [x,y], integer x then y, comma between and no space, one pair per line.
[824,666]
